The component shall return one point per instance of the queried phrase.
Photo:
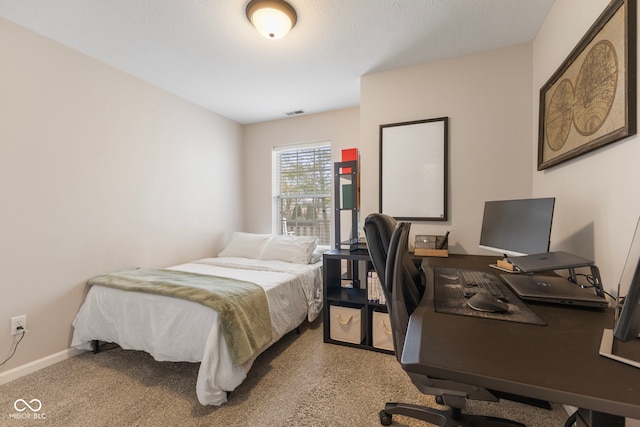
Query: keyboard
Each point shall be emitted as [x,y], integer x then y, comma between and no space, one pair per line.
[474,281]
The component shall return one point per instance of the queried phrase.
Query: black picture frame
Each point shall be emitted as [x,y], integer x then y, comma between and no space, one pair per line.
[414,169]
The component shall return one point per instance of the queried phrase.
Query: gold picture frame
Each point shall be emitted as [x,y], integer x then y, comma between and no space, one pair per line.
[590,101]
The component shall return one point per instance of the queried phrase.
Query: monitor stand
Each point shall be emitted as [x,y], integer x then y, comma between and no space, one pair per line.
[505,265]
[497,267]
[607,349]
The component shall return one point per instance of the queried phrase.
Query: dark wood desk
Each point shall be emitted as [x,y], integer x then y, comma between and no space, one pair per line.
[558,362]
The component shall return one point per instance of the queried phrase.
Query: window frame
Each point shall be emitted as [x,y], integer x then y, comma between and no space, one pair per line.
[320,227]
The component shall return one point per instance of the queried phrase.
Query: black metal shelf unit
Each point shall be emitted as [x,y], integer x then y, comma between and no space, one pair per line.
[346,285]
[346,189]
[346,268]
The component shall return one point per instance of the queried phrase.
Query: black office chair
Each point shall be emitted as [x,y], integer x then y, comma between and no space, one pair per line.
[402,298]
[378,229]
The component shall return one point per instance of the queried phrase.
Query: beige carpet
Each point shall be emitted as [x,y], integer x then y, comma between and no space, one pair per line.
[300,381]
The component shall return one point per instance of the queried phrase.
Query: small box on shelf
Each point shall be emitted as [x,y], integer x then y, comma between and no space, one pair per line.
[432,245]
[349,154]
[382,332]
[346,324]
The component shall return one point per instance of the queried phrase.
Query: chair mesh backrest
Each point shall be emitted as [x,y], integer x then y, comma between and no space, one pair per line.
[403,299]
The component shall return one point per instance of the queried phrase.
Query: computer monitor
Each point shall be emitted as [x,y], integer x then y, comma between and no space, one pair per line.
[628,322]
[517,227]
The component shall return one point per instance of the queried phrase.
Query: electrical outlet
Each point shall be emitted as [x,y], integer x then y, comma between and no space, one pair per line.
[18,322]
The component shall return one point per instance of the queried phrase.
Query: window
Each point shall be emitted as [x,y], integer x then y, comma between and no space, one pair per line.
[302,190]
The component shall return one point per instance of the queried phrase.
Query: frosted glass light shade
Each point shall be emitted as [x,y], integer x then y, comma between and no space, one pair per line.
[272,18]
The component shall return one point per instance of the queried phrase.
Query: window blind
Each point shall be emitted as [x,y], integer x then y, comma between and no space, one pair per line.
[302,190]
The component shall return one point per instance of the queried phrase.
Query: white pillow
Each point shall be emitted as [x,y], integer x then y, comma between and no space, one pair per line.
[245,245]
[316,256]
[290,249]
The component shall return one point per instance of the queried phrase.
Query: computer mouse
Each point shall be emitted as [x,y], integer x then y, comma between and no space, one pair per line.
[483,301]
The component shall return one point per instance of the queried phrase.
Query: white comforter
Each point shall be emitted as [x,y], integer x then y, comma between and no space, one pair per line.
[172,329]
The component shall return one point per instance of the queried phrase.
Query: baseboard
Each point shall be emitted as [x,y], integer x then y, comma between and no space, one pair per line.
[36,365]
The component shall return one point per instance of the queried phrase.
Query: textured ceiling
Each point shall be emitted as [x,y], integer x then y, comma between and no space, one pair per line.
[206,51]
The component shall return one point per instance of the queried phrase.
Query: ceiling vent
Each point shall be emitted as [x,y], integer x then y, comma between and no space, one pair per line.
[295,113]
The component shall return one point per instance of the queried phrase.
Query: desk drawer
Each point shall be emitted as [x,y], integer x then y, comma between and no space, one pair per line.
[346,324]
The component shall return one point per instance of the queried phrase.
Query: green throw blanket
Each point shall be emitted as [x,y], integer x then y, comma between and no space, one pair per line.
[242,306]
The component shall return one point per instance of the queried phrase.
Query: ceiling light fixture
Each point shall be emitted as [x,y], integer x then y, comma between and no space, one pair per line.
[272,18]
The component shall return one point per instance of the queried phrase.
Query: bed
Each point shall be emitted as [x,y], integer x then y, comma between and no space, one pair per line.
[288,269]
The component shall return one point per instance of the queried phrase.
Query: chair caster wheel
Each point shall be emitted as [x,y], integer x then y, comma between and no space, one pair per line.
[385,418]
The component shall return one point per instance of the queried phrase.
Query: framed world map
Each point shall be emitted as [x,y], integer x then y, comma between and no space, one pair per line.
[590,101]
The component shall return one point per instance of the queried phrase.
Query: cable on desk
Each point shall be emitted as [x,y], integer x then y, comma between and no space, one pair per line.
[592,284]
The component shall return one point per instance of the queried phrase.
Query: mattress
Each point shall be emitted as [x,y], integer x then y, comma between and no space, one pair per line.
[177,330]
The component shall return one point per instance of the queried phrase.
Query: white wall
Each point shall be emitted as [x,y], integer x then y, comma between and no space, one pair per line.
[98,171]
[597,194]
[490,120]
[341,127]
[491,99]
[488,100]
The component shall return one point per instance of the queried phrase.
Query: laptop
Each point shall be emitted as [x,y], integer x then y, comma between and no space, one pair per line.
[552,289]
[549,261]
